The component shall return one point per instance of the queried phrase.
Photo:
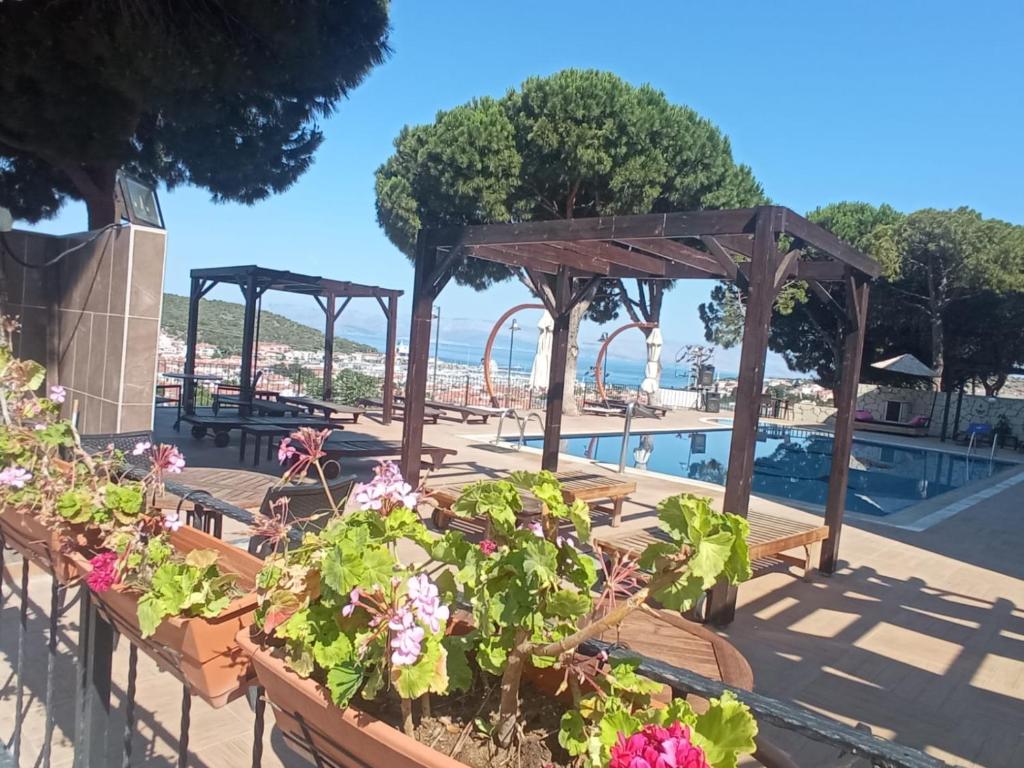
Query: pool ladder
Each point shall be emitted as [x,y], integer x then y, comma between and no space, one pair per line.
[522,421]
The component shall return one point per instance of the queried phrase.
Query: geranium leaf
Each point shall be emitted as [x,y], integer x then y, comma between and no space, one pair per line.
[725,731]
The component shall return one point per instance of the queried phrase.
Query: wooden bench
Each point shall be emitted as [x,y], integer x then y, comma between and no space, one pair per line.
[361,449]
[577,485]
[771,537]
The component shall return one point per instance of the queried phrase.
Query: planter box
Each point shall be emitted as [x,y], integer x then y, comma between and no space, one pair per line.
[25,533]
[347,738]
[202,653]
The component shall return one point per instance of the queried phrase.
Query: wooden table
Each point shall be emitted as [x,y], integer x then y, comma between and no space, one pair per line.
[238,487]
[770,537]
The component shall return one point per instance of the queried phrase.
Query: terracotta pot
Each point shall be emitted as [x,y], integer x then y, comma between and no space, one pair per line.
[348,738]
[40,544]
[202,653]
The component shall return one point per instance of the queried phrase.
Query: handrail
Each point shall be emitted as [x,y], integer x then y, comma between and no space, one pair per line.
[626,427]
[521,421]
[509,413]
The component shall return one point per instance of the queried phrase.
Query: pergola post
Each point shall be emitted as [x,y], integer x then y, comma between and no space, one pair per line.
[331,319]
[846,405]
[248,340]
[191,339]
[556,376]
[389,359]
[423,293]
[756,326]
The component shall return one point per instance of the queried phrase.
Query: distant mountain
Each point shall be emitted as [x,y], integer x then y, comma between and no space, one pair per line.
[220,324]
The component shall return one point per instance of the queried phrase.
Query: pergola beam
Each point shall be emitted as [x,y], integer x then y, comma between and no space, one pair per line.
[682,224]
[677,253]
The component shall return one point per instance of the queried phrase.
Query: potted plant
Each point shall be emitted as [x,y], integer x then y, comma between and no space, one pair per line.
[180,594]
[349,635]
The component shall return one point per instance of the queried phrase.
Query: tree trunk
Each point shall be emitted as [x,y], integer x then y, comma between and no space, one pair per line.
[96,186]
[569,406]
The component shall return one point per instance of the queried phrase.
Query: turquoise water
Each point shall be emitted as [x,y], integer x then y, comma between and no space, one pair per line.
[794,464]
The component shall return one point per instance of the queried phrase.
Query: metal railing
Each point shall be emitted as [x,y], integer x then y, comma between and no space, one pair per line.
[96,717]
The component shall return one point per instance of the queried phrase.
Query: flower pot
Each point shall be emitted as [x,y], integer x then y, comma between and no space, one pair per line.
[40,544]
[202,653]
[348,737]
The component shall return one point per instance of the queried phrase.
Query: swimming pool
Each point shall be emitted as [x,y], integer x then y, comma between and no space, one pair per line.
[793,464]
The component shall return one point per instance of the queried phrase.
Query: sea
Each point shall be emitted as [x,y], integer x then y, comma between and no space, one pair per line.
[619,371]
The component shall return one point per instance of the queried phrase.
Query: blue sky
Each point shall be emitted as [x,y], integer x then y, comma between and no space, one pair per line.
[917,104]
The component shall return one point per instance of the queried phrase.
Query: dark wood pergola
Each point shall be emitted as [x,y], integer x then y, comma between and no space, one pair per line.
[759,248]
[255,281]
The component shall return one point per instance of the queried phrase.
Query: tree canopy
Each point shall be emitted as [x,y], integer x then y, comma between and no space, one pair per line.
[223,95]
[575,144]
[951,294]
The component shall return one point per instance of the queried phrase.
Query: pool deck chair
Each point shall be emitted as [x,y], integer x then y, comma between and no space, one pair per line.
[429,414]
[604,493]
[770,542]
[466,412]
[328,409]
[916,427]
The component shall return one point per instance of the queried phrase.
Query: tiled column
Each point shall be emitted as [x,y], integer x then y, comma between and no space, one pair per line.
[94,319]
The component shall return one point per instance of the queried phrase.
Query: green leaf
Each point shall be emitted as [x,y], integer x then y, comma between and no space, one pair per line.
[725,731]
[579,515]
[710,556]
[343,681]
[149,614]
[414,680]
[201,558]
[614,723]
[568,605]
[573,734]
[460,673]
[655,552]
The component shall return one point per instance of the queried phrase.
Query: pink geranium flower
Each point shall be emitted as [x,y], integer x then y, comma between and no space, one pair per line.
[15,477]
[58,394]
[104,572]
[488,547]
[657,747]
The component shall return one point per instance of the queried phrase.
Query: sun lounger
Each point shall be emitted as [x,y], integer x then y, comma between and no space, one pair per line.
[612,407]
[429,414]
[329,409]
[605,493]
[338,448]
[771,538]
[257,405]
[467,412]
[916,427]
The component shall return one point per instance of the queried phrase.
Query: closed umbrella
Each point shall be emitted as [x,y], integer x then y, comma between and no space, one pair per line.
[652,371]
[540,372]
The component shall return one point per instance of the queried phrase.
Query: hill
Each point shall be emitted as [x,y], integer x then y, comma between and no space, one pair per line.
[220,324]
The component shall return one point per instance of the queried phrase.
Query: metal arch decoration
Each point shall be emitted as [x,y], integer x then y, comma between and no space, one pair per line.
[598,367]
[490,345]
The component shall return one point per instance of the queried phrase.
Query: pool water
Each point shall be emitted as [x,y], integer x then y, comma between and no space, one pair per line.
[793,464]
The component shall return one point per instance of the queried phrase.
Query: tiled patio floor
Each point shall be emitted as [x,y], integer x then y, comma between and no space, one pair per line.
[919,635]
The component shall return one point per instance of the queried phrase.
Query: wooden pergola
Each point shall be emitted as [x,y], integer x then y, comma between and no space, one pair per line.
[759,248]
[255,281]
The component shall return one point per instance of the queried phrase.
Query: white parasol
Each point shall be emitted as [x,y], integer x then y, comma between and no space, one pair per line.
[540,372]
[652,371]
[908,365]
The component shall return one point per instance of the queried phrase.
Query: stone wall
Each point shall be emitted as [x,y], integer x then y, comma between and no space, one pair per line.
[93,319]
[918,402]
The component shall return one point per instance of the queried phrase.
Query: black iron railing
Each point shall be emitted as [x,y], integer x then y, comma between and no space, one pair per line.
[96,718]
